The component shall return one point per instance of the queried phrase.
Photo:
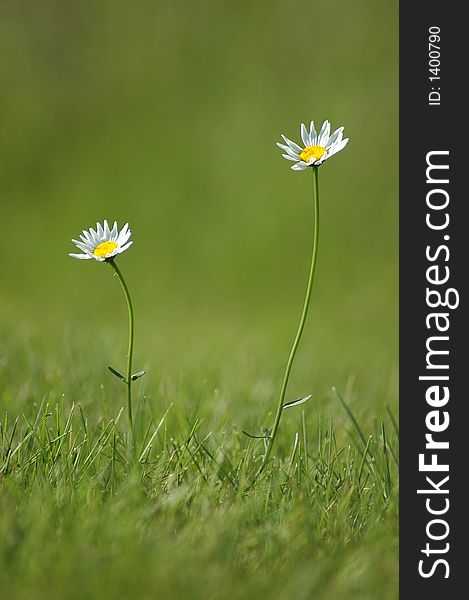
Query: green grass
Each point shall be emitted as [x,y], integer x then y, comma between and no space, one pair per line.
[185,521]
[165,115]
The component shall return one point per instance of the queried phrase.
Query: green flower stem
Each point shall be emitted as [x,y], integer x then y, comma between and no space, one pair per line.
[128,380]
[304,314]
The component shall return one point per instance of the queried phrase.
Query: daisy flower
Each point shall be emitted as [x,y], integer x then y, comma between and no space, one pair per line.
[104,243]
[316,149]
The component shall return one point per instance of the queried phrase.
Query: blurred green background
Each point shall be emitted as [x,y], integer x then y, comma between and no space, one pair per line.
[165,114]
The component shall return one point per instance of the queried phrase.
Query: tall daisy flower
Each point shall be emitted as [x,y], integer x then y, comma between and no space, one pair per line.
[104,244]
[317,148]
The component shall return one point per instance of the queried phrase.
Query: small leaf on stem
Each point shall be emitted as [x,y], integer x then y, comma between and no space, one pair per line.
[296,402]
[117,374]
[258,437]
[138,375]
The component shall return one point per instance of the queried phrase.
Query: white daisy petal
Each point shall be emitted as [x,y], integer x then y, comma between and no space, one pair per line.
[288,157]
[338,147]
[93,236]
[122,239]
[80,256]
[107,233]
[324,133]
[334,137]
[86,235]
[312,134]
[304,135]
[124,247]
[327,134]
[124,234]
[288,150]
[100,230]
[83,239]
[292,145]
[299,166]
[80,245]
[339,138]
[114,231]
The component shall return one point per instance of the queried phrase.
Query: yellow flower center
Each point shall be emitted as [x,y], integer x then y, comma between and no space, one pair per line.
[310,152]
[104,249]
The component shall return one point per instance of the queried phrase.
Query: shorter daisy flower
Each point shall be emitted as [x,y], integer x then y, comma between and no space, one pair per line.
[317,147]
[104,243]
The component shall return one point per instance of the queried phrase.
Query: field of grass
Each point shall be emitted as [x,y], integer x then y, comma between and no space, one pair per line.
[165,115]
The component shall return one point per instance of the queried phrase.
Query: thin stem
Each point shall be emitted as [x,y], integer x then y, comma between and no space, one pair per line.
[309,289]
[128,380]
